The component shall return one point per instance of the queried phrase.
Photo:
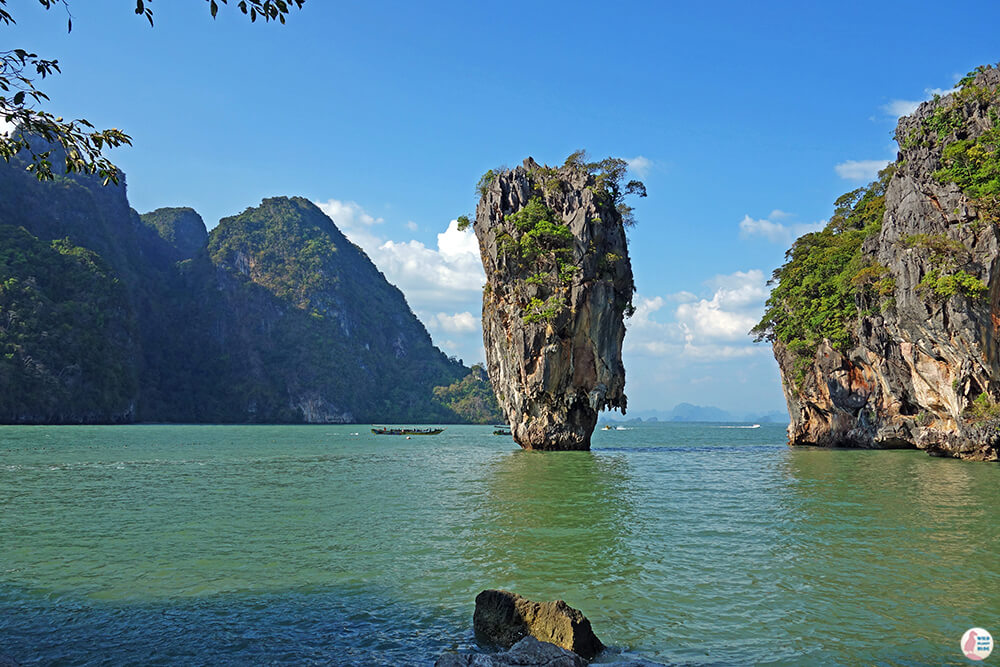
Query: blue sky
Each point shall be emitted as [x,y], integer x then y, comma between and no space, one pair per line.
[745,120]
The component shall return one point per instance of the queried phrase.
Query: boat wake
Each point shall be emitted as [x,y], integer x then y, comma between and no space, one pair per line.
[754,426]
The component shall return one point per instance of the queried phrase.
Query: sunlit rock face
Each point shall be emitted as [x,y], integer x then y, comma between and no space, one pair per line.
[558,283]
[923,369]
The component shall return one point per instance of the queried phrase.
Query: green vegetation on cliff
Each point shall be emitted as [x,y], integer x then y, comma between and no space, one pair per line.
[828,281]
[285,245]
[609,175]
[541,232]
[984,410]
[182,229]
[815,294]
[544,244]
[67,351]
[973,163]
[317,328]
[106,315]
[539,241]
[946,279]
[975,166]
[471,398]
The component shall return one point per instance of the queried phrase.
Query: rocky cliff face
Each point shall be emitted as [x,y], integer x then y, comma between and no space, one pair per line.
[109,316]
[314,326]
[919,362]
[558,280]
[182,229]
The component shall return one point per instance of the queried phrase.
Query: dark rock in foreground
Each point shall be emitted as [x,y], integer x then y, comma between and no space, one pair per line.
[504,618]
[558,281]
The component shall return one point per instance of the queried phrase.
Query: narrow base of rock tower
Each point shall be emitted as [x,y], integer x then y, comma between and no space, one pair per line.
[555,432]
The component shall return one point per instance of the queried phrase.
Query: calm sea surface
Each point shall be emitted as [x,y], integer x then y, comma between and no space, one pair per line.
[683,543]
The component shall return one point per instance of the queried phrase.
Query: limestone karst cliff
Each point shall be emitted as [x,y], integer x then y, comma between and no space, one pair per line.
[885,324]
[108,316]
[558,283]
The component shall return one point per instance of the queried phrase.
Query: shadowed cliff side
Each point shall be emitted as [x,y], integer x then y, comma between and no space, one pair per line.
[108,316]
[558,283]
[885,323]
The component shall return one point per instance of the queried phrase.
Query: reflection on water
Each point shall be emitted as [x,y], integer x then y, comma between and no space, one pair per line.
[554,525]
[895,542]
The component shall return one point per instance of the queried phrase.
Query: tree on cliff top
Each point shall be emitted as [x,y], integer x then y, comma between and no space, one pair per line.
[38,132]
[610,173]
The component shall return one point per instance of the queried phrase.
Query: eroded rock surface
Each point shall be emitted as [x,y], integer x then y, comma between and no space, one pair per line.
[558,281]
[923,366]
[529,652]
[504,618]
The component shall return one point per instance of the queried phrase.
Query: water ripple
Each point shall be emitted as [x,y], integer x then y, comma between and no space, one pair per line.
[309,545]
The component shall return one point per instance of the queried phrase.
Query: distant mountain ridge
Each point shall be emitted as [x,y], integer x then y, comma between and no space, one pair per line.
[687,412]
[108,316]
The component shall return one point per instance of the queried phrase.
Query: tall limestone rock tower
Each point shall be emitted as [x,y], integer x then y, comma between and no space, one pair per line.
[558,284]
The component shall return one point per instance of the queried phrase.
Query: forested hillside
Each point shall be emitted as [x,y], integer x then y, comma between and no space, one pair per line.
[109,316]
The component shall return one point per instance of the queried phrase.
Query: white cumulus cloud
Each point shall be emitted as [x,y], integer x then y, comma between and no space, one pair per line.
[430,277]
[777,232]
[639,165]
[458,323]
[348,214]
[860,170]
[442,283]
[711,328]
[898,108]
[698,348]
[731,312]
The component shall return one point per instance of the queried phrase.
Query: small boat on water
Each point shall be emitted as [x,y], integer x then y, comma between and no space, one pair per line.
[406,431]
[608,427]
[501,431]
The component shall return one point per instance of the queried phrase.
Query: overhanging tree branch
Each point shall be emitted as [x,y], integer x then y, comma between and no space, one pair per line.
[36,133]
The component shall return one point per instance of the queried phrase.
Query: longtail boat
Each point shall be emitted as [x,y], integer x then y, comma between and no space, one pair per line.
[406,431]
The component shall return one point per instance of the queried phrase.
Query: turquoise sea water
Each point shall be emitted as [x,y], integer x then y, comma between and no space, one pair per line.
[683,543]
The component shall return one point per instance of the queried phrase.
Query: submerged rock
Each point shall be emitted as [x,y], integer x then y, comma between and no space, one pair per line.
[526,653]
[910,357]
[504,618]
[558,283]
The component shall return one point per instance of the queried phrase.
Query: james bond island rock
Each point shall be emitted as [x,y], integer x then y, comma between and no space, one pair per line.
[504,618]
[558,284]
[885,324]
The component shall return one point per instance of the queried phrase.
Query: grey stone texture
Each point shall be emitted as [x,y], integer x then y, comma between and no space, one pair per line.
[552,376]
[918,364]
